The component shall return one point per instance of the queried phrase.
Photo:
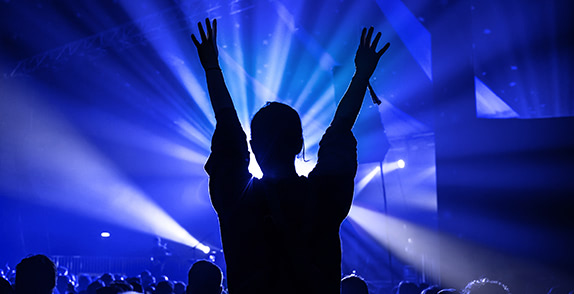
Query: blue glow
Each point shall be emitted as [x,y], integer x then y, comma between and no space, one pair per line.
[77,168]
[124,123]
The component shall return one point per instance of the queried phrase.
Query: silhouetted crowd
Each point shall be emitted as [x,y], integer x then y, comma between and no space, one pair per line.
[39,275]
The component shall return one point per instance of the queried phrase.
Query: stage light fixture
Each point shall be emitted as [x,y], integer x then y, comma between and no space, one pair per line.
[401,163]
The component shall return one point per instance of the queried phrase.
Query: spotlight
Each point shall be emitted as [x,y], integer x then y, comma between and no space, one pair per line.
[401,163]
[105,234]
[205,249]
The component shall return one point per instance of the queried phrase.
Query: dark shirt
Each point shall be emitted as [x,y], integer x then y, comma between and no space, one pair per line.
[281,236]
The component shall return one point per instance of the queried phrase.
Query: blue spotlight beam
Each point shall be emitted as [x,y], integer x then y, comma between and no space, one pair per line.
[326,61]
[64,171]
[414,35]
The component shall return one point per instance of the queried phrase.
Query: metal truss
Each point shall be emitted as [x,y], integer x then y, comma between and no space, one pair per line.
[138,32]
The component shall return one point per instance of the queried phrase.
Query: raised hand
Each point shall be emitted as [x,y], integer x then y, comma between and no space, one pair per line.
[367,57]
[366,60]
[207,49]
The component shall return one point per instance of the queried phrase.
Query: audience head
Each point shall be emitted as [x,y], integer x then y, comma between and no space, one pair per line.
[558,289]
[83,282]
[179,288]
[164,287]
[276,135]
[204,277]
[94,286]
[107,278]
[485,286]
[353,284]
[406,287]
[434,289]
[109,290]
[124,286]
[62,283]
[136,284]
[147,279]
[448,291]
[35,274]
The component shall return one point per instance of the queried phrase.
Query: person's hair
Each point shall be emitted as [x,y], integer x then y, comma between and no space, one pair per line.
[204,277]
[35,274]
[485,286]
[277,127]
[353,284]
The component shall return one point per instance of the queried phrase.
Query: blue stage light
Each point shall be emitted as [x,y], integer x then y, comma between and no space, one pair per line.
[105,234]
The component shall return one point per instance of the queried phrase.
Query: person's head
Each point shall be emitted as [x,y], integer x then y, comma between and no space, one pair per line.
[123,285]
[94,286]
[83,282]
[485,286]
[62,283]
[204,277]
[136,284]
[107,278]
[178,287]
[147,279]
[35,274]
[164,287]
[353,284]
[276,135]
[448,291]
[406,287]
[434,289]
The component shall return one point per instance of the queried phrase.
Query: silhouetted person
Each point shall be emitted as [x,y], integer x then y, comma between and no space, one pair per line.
[35,275]
[83,283]
[109,290]
[353,284]
[164,287]
[94,286]
[124,286]
[448,291]
[107,278]
[406,287]
[204,277]
[136,284]
[179,287]
[5,287]
[62,282]
[280,233]
[147,279]
[434,289]
[485,286]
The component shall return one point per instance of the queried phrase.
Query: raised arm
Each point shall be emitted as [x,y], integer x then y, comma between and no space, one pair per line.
[366,60]
[208,55]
